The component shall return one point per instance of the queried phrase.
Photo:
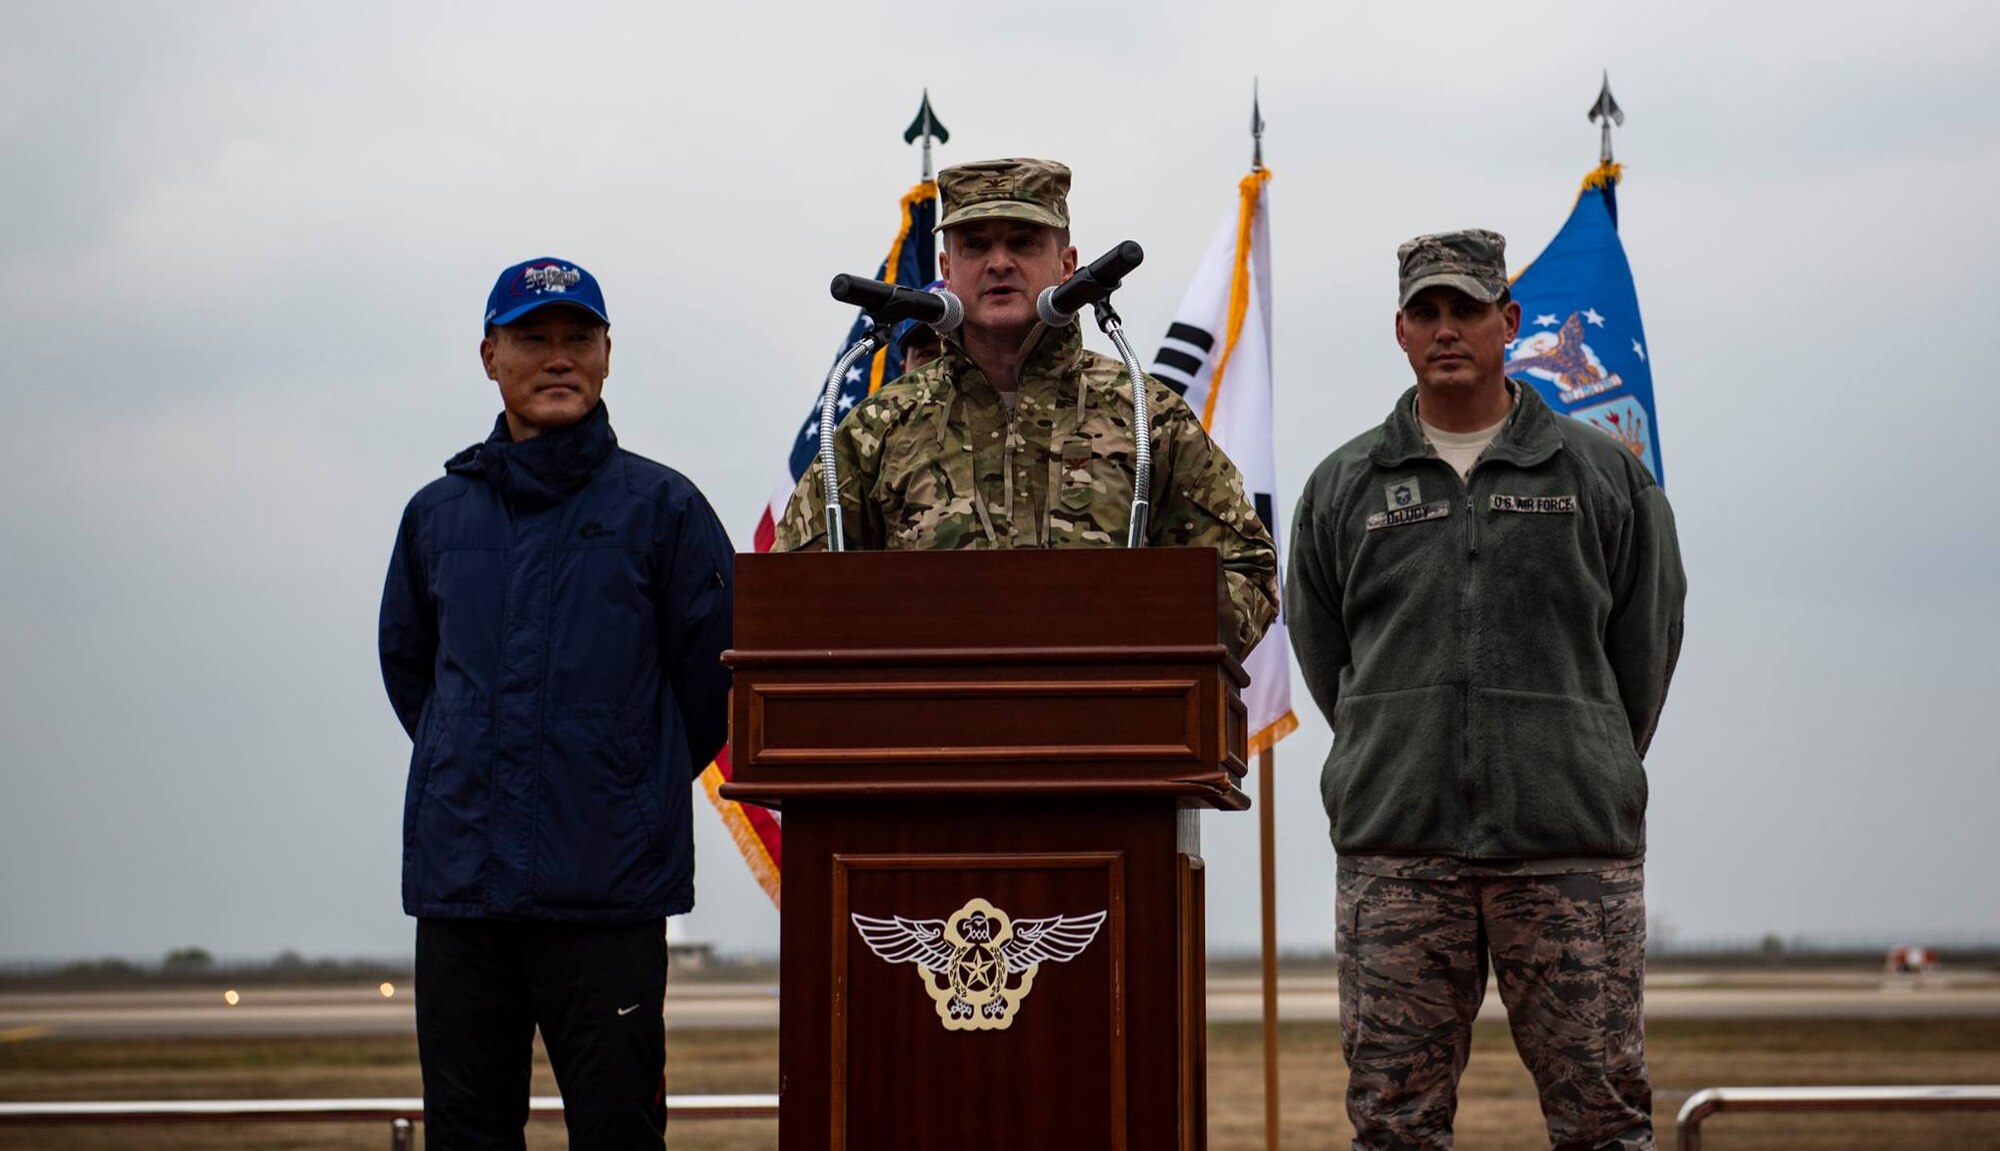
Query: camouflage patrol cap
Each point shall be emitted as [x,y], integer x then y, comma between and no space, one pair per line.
[1474,261]
[1033,190]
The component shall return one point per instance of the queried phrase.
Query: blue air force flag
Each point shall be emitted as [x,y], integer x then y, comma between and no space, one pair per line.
[1217,355]
[1581,343]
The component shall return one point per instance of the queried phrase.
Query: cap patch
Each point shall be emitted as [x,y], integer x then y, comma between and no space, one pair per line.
[550,278]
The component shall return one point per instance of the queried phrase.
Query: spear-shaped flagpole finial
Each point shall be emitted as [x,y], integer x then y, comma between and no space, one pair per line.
[1606,112]
[926,126]
[1256,130]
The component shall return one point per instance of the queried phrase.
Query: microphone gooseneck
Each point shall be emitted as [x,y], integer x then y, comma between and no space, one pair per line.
[1142,426]
[829,403]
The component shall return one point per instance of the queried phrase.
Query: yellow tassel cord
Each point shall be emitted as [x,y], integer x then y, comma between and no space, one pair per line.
[879,363]
[755,854]
[1603,175]
[1250,189]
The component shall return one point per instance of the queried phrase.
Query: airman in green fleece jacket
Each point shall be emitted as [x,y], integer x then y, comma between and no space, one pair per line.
[1486,601]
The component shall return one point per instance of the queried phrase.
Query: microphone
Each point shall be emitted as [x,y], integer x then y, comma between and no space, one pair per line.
[890,303]
[1059,305]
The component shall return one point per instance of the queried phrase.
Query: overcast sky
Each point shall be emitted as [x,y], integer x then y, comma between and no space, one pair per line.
[245,249]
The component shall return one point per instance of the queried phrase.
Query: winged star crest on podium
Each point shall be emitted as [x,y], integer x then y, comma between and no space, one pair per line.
[978,963]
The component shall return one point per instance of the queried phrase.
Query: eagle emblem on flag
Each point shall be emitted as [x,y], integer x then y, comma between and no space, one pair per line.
[978,963]
[1563,358]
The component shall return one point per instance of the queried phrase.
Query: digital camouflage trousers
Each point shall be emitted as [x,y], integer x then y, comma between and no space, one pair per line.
[1568,952]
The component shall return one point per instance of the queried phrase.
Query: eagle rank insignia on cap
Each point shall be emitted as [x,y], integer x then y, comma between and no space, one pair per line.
[979,963]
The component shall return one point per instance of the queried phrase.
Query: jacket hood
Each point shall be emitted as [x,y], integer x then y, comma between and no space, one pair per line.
[542,471]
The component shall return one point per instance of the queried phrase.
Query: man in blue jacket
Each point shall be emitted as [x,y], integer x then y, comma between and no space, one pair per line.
[551,634]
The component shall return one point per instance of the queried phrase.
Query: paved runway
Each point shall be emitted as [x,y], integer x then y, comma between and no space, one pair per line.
[692,1005]
[1797,997]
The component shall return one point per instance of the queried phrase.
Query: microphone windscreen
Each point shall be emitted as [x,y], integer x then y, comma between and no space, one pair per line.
[954,310]
[1045,307]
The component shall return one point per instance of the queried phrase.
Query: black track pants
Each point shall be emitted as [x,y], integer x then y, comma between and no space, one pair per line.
[597,991]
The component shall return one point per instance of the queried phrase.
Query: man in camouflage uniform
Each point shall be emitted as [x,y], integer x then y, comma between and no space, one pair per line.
[1486,598]
[1018,437]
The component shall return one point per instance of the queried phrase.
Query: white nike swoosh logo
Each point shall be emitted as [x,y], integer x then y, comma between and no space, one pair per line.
[628,1010]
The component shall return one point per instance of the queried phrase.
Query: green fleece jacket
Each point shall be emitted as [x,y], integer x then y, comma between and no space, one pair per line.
[1493,654]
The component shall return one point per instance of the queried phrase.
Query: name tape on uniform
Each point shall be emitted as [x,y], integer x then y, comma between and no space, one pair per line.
[1435,510]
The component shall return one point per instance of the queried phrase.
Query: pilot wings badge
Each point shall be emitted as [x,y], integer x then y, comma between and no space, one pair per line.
[978,963]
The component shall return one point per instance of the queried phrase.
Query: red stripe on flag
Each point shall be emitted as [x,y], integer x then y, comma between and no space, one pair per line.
[766,533]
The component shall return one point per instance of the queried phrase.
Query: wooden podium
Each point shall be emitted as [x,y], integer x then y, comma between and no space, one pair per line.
[990,765]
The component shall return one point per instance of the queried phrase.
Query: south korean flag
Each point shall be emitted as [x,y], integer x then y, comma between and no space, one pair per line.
[1217,355]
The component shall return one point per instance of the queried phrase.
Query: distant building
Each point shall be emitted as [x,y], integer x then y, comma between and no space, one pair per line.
[1910,961]
[683,954]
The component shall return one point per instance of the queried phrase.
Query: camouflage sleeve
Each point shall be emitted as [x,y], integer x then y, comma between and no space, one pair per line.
[1198,501]
[858,457]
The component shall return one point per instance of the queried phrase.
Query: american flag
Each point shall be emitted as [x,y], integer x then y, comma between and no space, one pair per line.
[911,262]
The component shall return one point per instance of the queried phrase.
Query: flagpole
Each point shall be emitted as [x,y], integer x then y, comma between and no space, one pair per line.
[1267,831]
[1267,866]
[927,135]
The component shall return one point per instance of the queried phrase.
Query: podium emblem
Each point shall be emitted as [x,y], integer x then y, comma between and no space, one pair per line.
[978,963]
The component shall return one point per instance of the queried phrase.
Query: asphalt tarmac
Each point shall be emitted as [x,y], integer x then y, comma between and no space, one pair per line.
[691,1004]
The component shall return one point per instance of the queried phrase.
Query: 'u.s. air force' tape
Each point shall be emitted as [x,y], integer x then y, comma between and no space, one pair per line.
[1435,510]
[1533,503]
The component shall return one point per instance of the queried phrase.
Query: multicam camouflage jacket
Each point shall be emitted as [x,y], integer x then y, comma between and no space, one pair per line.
[935,461]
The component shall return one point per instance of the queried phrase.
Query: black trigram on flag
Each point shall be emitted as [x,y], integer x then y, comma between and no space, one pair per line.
[1181,357]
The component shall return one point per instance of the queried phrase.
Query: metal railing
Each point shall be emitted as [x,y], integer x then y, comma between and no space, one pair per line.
[1703,1104]
[402,1115]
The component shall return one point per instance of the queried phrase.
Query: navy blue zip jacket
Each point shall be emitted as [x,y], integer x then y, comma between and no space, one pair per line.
[551,636]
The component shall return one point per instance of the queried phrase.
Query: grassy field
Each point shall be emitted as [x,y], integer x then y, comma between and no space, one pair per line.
[1497,1111]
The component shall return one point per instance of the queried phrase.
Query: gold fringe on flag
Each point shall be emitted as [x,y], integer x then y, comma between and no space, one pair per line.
[755,854]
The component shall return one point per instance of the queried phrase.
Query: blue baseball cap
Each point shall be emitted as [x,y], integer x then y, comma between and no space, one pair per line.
[537,283]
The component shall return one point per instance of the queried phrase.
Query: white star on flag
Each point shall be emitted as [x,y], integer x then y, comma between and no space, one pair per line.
[1591,315]
[1637,350]
[846,400]
[1545,320]
[853,374]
